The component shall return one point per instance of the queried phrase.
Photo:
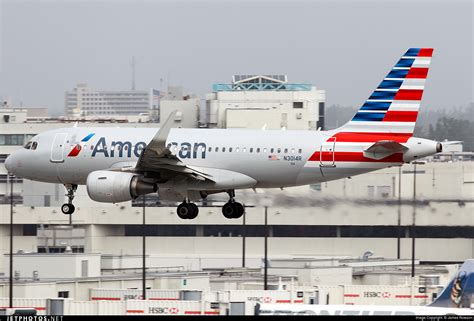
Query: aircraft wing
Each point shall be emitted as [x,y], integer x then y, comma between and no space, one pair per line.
[157,157]
[384,148]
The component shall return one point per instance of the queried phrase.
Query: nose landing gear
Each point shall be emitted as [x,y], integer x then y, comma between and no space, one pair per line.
[68,208]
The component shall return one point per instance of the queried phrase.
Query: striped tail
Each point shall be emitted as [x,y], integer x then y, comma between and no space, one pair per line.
[391,111]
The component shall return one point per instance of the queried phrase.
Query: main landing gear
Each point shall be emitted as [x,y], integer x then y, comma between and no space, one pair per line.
[231,209]
[68,208]
[187,210]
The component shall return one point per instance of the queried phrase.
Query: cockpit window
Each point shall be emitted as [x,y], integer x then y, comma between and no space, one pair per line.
[28,145]
[34,145]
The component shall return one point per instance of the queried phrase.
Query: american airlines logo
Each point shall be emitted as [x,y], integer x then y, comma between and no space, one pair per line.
[118,148]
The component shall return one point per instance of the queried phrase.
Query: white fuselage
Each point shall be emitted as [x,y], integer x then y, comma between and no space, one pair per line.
[272,158]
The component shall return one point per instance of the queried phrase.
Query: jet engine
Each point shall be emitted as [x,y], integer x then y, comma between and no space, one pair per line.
[114,187]
[420,147]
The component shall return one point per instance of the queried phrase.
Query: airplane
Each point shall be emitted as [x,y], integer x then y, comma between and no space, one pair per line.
[455,299]
[186,165]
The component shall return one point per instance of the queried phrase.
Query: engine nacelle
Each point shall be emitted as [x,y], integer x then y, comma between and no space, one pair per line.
[115,187]
[420,147]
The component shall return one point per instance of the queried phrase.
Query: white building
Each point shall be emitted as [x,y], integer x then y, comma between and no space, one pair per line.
[256,101]
[86,101]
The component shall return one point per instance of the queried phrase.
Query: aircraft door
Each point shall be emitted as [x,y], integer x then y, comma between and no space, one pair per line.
[326,154]
[57,149]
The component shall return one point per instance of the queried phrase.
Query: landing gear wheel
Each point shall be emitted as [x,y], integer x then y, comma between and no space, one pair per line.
[187,211]
[194,211]
[239,210]
[229,210]
[67,209]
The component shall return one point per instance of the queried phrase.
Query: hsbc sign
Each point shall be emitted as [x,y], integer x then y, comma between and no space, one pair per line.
[374,294]
[163,310]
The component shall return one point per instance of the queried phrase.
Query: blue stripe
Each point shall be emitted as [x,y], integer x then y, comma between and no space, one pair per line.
[85,139]
[368,116]
[412,52]
[405,62]
[383,95]
[375,105]
[390,84]
[397,73]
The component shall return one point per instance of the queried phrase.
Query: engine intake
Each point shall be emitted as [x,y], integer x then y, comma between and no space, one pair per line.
[115,187]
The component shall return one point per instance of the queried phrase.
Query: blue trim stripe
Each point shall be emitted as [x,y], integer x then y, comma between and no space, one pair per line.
[412,52]
[85,139]
[397,73]
[390,84]
[375,105]
[405,62]
[383,95]
[360,116]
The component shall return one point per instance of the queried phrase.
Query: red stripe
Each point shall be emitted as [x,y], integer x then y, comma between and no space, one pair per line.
[36,308]
[106,299]
[403,296]
[421,73]
[409,94]
[75,151]
[354,157]
[425,52]
[298,301]
[211,312]
[355,137]
[421,296]
[352,295]
[283,301]
[135,311]
[401,116]
[192,312]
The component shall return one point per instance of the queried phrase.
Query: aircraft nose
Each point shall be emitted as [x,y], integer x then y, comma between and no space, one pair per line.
[9,164]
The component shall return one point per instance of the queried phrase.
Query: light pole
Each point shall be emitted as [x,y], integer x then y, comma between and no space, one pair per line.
[244,234]
[10,298]
[265,275]
[399,210]
[413,238]
[144,249]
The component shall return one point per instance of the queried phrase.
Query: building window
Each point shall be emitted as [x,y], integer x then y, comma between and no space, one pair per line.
[63,294]
[297,104]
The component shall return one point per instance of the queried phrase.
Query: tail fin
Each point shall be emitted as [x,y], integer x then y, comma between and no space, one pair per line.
[459,292]
[393,106]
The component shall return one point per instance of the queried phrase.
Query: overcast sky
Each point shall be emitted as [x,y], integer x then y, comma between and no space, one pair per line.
[344,47]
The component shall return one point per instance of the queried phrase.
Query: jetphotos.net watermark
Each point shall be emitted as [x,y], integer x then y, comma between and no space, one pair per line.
[35,318]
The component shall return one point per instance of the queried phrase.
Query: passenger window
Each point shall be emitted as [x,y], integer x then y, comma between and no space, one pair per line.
[230,149]
[217,149]
[210,149]
[244,149]
[272,150]
[237,150]
[34,145]
[223,149]
[292,150]
[264,150]
[299,151]
[92,147]
[279,150]
[286,150]
[258,150]
[251,149]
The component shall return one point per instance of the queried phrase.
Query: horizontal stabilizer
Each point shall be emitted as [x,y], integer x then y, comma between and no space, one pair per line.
[384,148]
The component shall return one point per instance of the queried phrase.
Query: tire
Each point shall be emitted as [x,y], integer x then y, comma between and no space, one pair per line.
[239,210]
[183,211]
[228,210]
[194,211]
[67,209]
